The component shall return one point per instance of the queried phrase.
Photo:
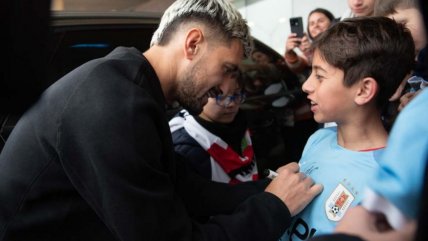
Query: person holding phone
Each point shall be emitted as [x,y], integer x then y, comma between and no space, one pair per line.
[298,57]
[319,20]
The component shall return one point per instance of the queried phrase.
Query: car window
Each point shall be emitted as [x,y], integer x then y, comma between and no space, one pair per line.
[76,42]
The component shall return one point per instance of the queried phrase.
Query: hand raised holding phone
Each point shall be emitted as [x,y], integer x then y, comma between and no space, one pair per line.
[292,42]
[296,26]
[295,38]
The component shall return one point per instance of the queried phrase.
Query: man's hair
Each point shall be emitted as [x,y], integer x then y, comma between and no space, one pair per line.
[222,19]
[326,13]
[376,47]
[387,7]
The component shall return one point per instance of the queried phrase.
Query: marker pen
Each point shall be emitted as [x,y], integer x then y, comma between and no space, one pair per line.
[270,174]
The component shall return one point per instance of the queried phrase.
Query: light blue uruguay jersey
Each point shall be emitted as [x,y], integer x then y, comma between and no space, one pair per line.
[343,173]
[402,167]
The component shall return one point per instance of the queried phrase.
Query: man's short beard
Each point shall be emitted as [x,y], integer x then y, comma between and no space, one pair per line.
[187,96]
[192,105]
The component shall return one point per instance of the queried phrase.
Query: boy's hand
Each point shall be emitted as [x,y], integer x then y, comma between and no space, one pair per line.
[294,188]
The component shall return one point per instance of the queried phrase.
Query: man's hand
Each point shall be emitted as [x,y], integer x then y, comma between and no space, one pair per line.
[294,188]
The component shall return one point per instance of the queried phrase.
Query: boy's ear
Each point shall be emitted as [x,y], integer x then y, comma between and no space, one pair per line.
[193,40]
[366,91]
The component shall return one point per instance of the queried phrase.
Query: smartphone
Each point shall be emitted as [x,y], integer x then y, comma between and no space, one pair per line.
[296,25]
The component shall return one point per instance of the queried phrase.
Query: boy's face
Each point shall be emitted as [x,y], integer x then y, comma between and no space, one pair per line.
[413,20]
[214,112]
[330,100]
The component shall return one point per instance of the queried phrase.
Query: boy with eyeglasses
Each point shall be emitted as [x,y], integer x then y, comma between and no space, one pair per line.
[216,143]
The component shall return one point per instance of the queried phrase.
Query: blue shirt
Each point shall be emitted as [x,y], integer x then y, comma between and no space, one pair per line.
[342,172]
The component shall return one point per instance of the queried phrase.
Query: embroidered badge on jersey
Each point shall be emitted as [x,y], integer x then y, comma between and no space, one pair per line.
[338,202]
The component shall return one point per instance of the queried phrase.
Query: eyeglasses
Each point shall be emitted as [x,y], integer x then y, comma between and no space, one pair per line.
[226,100]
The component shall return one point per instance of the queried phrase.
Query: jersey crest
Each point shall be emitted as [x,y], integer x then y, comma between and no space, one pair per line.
[338,202]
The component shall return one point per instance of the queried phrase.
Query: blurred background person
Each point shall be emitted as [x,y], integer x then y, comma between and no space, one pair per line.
[408,13]
[359,8]
[319,20]
[298,57]
[283,97]
[264,70]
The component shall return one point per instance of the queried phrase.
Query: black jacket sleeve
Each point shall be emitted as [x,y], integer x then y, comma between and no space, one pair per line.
[261,217]
[238,212]
[204,197]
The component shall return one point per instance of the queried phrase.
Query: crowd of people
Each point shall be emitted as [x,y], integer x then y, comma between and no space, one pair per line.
[97,158]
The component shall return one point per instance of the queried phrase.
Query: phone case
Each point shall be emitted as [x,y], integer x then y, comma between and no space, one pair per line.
[296,25]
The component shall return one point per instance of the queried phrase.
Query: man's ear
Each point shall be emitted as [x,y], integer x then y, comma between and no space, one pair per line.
[192,43]
[367,90]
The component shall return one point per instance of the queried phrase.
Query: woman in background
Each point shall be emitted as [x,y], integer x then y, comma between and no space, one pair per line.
[319,20]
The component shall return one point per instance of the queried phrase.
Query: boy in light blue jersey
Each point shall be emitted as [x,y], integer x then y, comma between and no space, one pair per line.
[358,64]
[397,189]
